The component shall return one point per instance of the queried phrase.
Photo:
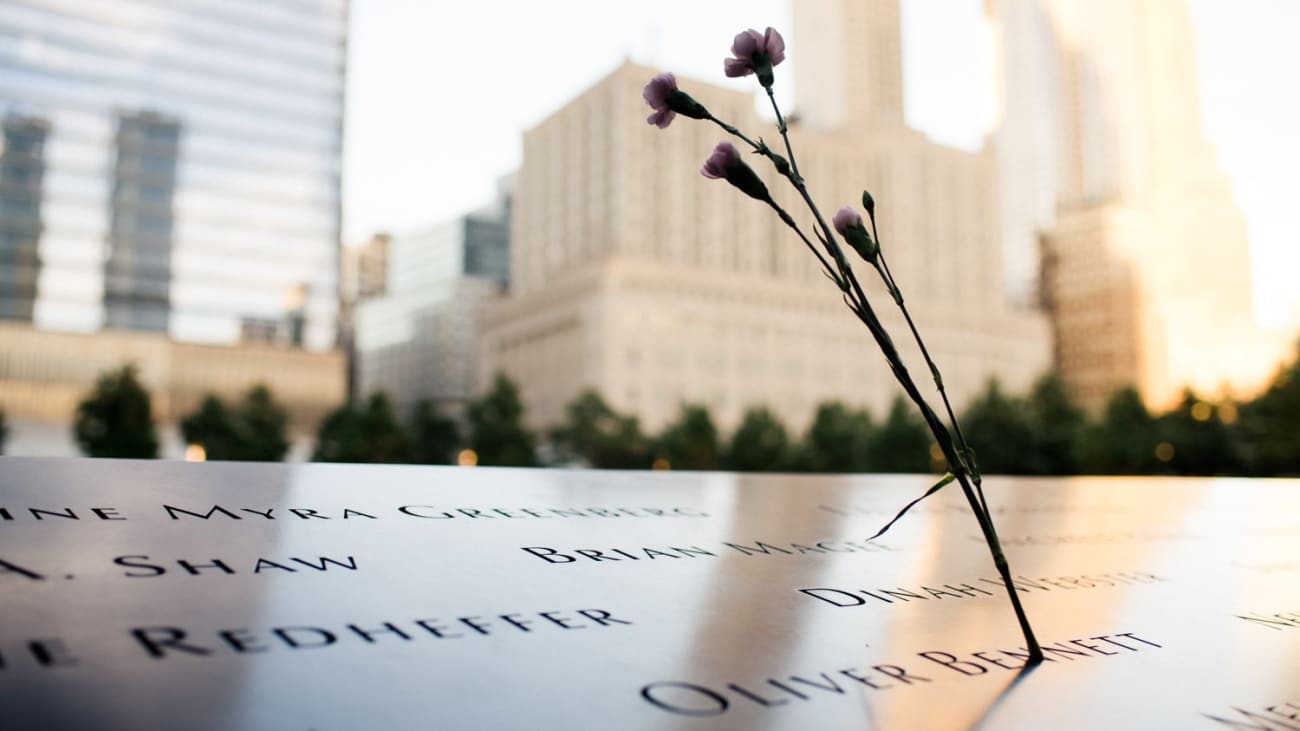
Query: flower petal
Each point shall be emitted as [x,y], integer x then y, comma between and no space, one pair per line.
[745,43]
[844,218]
[734,67]
[661,118]
[775,45]
[656,92]
[724,156]
[730,154]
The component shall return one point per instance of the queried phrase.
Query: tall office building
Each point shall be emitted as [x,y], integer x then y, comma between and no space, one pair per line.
[419,338]
[633,275]
[365,269]
[1145,255]
[172,167]
[22,171]
[137,275]
[169,196]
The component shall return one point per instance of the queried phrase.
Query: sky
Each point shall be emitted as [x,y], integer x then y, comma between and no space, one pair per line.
[439,94]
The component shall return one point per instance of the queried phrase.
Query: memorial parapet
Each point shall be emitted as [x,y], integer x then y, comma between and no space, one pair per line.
[232,596]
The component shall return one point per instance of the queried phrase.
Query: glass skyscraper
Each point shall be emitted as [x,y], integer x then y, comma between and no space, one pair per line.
[172,166]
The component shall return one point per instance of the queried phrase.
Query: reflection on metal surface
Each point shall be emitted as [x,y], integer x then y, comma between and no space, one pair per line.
[227,596]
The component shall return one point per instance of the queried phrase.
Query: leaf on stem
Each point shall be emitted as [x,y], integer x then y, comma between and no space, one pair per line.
[937,486]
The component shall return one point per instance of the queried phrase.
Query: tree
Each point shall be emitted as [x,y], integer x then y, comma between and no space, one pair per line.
[691,442]
[434,437]
[1124,441]
[593,433]
[760,443]
[999,430]
[371,434]
[627,448]
[115,419]
[1056,427]
[1199,442]
[254,431]
[1270,425]
[262,426]
[496,430]
[212,427]
[901,444]
[382,438]
[339,437]
[837,440]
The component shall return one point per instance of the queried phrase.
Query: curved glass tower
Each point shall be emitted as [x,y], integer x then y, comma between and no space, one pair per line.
[172,166]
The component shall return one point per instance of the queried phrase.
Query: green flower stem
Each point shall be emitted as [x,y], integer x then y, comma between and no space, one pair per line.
[956,466]
[760,148]
[785,137]
[731,130]
[963,448]
[882,267]
[964,453]
[857,301]
[788,220]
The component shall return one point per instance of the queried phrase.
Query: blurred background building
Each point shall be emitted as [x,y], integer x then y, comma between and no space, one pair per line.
[171,169]
[170,195]
[44,374]
[1145,256]
[365,269]
[417,335]
[633,275]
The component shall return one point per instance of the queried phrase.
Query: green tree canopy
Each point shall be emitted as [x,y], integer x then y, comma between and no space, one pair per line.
[434,437]
[263,426]
[1199,442]
[691,442]
[998,428]
[339,437]
[594,434]
[760,443]
[382,436]
[115,420]
[370,434]
[254,431]
[4,431]
[212,426]
[1123,441]
[1270,424]
[1056,425]
[902,443]
[496,430]
[837,440]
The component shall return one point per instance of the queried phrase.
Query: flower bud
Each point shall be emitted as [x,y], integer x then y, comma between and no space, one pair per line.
[849,224]
[782,166]
[725,163]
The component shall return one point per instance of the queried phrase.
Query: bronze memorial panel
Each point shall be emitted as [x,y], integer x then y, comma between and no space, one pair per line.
[143,595]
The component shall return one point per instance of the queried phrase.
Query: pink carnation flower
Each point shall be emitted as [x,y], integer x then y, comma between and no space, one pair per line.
[725,164]
[668,101]
[755,52]
[725,157]
[656,94]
